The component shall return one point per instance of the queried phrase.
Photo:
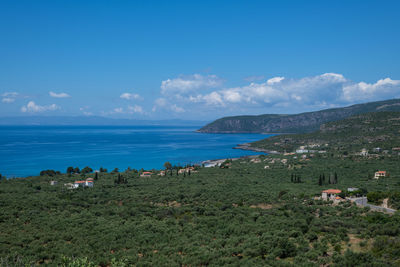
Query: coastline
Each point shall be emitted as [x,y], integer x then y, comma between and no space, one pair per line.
[247,146]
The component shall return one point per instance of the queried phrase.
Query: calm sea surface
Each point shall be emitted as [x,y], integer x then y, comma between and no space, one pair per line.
[26,150]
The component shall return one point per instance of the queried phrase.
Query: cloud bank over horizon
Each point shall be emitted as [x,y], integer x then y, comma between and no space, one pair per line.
[282,94]
[207,97]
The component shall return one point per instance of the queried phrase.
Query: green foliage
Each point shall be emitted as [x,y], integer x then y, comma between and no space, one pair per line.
[49,173]
[167,165]
[346,136]
[86,170]
[241,215]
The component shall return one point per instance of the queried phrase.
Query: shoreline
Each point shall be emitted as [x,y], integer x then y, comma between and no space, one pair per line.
[247,146]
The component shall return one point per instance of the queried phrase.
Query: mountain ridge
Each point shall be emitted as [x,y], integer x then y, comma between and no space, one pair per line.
[294,123]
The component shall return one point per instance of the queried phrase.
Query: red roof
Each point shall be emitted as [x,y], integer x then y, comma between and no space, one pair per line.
[332,191]
[146,173]
[382,172]
[80,182]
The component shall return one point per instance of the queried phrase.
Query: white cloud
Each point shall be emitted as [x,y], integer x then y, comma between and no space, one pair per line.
[10,94]
[190,83]
[59,95]
[136,109]
[8,100]
[159,103]
[118,110]
[129,96]
[85,111]
[365,91]
[177,109]
[214,98]
[275,80]
[320,91]
[32,107]
[163,104]
[9,97]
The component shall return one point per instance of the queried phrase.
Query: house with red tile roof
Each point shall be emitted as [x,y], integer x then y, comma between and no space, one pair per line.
[146,174]
[330,194]
[83,183]
[380,174]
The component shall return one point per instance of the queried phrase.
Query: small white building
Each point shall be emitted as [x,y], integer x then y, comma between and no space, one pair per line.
[364,152]
[352,189]
[87,183]
[380,174]
[301,151]
[330,194]
[53,182]
[146,174]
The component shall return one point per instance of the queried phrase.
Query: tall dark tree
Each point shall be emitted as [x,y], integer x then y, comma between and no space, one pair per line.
[96,176]
[77,170]
[70,170]
[320,180]
[167,165]
[86,170]
[335,179]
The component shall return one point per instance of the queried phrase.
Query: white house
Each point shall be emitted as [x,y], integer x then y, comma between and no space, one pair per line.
[380,174]
[352,189]
[83,183]
[330,194]
[146,174]
[364,152]
[301,151]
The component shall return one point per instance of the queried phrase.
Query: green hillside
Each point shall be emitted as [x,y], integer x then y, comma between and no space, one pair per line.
[370,130]
[296,123]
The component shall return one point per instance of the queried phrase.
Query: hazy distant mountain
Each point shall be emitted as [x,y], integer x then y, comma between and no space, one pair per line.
[91,120]
[297,123]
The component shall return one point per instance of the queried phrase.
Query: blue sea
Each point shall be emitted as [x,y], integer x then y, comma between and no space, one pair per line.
[26,150]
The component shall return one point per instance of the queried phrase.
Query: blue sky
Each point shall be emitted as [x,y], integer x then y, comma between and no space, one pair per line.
[195,59]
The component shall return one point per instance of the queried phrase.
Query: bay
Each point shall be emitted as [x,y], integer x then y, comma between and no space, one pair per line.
[26,150]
